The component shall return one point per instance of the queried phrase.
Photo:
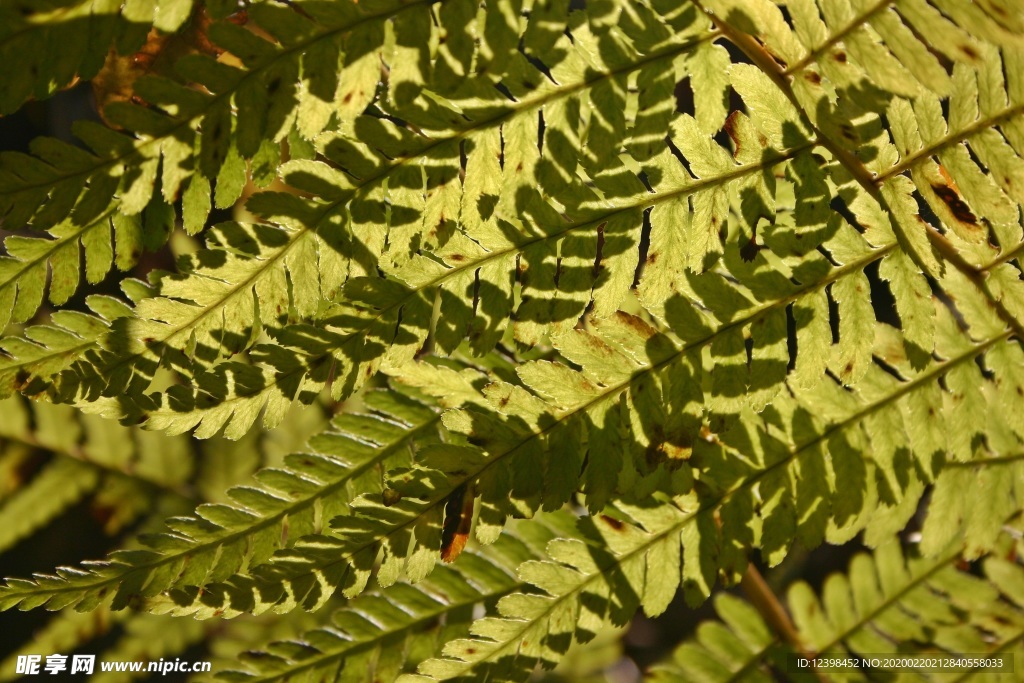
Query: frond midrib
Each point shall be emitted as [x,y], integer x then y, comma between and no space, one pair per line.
[889,601]
[72,352]
[856,168]
[986,462]
[55,244]
[982,124]
[202,312]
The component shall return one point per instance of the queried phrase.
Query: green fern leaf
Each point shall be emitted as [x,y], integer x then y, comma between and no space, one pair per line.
[886,604]
[121,173]
[58,487]
[33,265]
[117,469]
[739,647]
[46,350]
[606,576]
[819,260]
[408,622]
[288,503]
[392,161]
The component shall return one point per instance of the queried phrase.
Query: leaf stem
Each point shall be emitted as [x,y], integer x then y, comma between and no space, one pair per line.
[768,605]
[760,57]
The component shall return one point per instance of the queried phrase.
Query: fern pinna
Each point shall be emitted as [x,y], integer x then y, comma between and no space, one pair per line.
[640,295]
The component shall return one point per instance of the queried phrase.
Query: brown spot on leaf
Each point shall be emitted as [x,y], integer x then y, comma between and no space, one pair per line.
[636,323]
[613,523]
[840,57]
[969,51]
[957,205]
[812,77]
[458,258]
[347,98]
[730,129]
[458,518]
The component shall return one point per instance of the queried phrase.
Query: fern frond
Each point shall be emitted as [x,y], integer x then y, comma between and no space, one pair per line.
[889,602]
[193,131]
[765,482]
[97,444]
[33,265]
[45,350]
[384,322]
[618,566]
[532,276]
[382,164]
[59,486]
[739,647]
[59,182]
[289,502]
[217,308]
[378,635]
[810,209]
[870,168]
[627,368]
[886,603]
[395,165]
[118,469]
